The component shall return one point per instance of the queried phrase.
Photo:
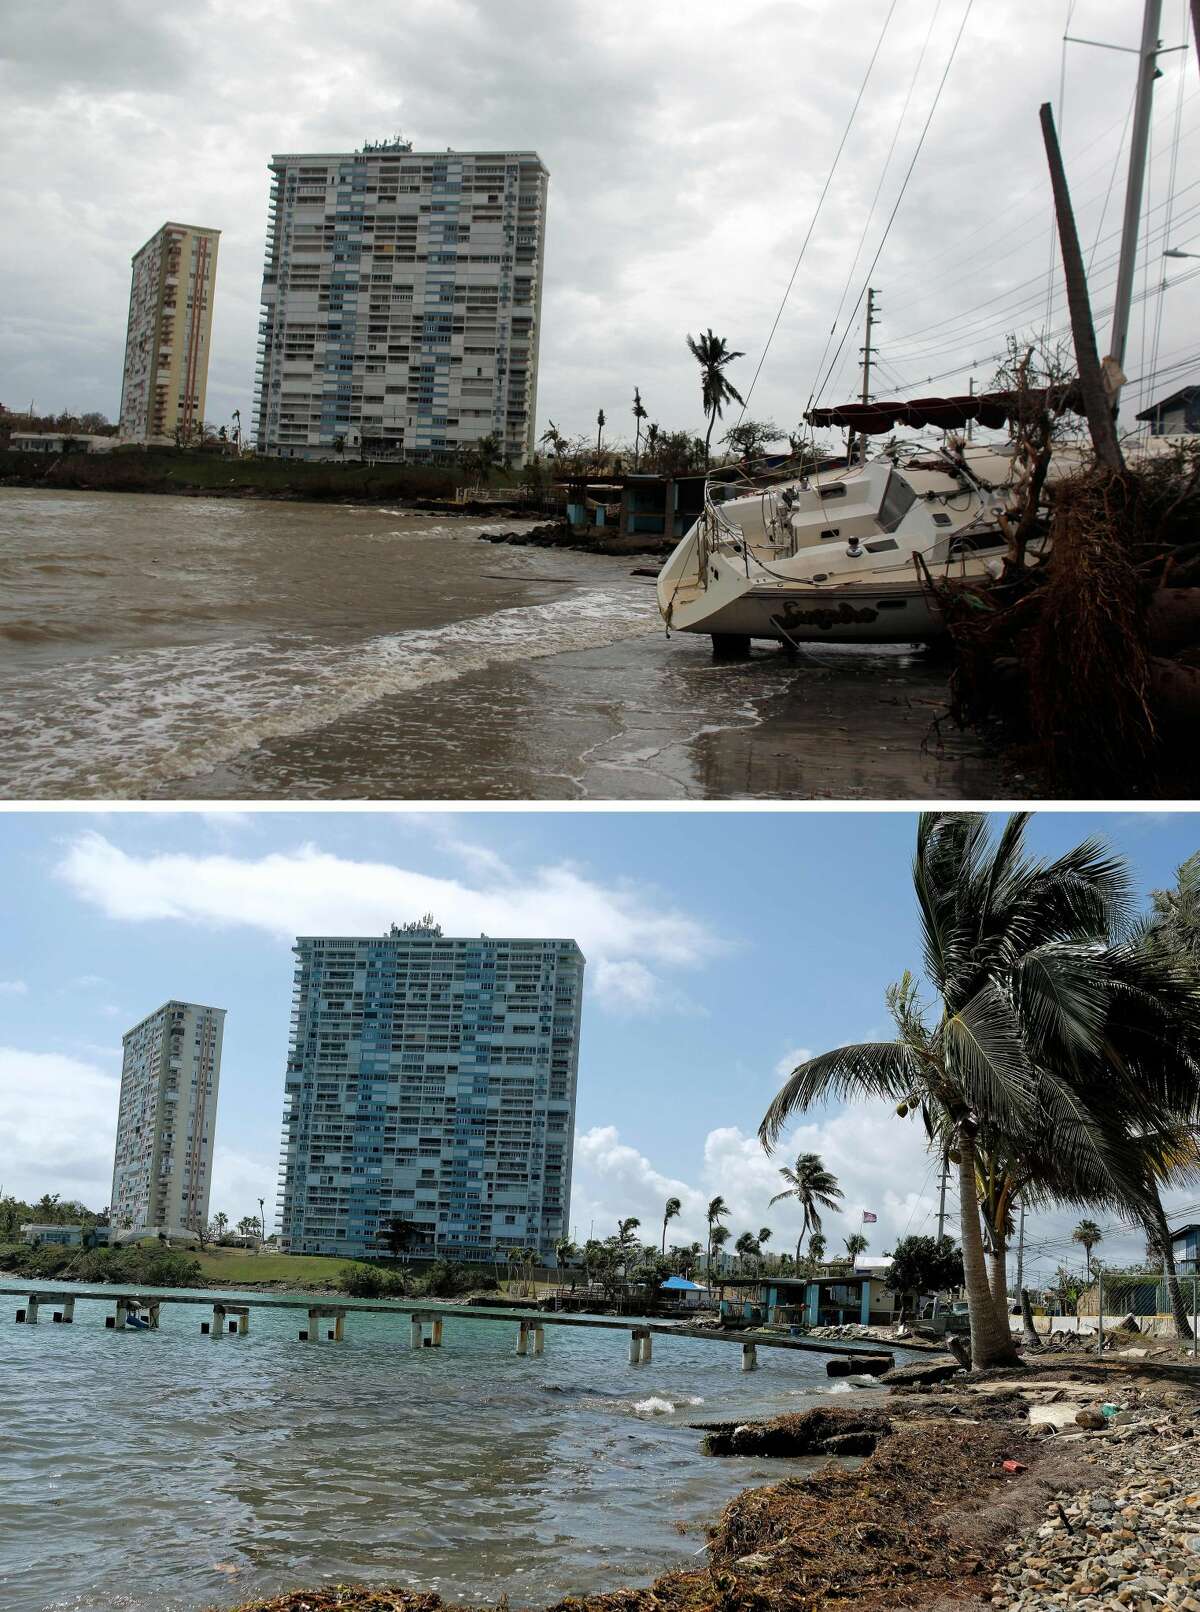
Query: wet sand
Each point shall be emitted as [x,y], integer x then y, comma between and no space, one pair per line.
[646,719]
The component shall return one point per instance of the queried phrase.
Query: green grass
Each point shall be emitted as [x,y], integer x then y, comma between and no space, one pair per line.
[236,1265]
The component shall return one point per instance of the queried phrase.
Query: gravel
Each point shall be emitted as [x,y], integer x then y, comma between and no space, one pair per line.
[1130,1542]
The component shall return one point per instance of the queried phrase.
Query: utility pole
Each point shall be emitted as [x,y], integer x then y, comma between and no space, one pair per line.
[942,1198]
[1021,1249]
[866,364]
[971,391]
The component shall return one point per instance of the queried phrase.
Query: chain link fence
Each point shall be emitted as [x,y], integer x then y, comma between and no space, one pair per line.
[1129,1302]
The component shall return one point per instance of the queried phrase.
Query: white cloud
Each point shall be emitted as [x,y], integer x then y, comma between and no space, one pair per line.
[879,1160]
[239,1180]
[790,1060]
[58,1127]
[651,183]
[58,1122]
[13,988]
[626,934]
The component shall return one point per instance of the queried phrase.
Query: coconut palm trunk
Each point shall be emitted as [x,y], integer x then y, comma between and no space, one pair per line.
[1162,1236]
[998,1279]
[991,1343]
[1032,1341]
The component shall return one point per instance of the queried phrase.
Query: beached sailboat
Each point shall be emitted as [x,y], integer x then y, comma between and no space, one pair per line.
[853,553]
[846,554]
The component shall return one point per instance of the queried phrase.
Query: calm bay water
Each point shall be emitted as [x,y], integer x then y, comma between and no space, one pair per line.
[197,647]
[171,1471]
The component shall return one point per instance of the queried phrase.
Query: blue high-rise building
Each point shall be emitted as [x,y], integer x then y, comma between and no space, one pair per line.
[430,1080]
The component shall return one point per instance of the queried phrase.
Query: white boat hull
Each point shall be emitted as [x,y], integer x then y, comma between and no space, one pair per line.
[853,615]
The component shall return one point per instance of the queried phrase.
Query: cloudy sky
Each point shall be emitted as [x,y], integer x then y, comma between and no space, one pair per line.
[720,947]
[687,141]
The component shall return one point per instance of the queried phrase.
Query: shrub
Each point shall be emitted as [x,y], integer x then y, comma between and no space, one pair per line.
[444,1280]
[361,1281]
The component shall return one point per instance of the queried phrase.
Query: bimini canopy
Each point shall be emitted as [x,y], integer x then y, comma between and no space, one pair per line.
[992,409]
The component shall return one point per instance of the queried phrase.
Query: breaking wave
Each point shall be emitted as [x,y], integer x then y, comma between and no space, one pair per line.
[126,724]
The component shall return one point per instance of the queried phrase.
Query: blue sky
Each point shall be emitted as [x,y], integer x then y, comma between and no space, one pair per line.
[720,946]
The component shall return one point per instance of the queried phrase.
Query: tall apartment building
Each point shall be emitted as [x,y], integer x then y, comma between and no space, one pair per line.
[432,1080]
[162,1169]
[401,303]
[167,338]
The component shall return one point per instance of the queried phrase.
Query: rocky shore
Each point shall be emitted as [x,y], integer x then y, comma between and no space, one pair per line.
[557,534]
[1130,1539]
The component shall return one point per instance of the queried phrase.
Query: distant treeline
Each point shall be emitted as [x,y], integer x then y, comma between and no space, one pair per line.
[140,1265]
[168,470]
[442,1279]
[49,1210]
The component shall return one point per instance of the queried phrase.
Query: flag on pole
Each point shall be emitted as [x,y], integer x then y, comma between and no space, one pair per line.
[868,1218]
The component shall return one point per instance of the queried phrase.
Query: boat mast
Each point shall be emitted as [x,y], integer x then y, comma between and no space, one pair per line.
[1138,148]
[866,367]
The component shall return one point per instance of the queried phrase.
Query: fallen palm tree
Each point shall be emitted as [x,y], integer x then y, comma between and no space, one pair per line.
[1088,646]
[1089,651]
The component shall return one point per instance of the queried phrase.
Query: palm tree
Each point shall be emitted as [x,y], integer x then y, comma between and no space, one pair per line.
[553,439]
[717,1211]
[744,1247]
[816,1247]
[652,438]
[671,1208]
[856,1244]
[717,1238]
[813,1188]
[764,1237]
[626,1241]
[1089,1234]
[1175,916]
[639,414]
[1034,999]
[716,389]
[600,423]
[564,1252]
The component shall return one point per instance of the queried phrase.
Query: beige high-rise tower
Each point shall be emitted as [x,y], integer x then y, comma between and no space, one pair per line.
[167,340]
[162,1168]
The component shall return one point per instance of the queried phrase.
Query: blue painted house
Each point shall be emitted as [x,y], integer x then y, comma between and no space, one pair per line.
[1185,1245]
[826,1301]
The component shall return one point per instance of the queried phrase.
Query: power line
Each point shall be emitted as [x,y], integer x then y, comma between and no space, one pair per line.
[1036,218]
[903,187]
[837,157]
[912,84]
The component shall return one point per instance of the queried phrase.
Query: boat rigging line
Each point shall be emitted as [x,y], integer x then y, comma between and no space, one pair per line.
[903,188]
[837,156]
[912,84]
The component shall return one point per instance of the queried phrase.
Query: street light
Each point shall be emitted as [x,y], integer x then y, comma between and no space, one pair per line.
[1173,251]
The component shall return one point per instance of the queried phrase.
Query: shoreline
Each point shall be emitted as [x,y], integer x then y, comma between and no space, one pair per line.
[962,1499]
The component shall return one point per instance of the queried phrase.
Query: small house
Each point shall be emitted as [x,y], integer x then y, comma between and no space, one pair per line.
[682,1293]
[1175,416]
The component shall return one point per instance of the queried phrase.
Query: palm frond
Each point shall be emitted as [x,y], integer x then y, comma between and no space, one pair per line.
[869,1069]
[986,1057]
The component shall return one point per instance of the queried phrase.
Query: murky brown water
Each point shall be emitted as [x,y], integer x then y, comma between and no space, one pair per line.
[177,647]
